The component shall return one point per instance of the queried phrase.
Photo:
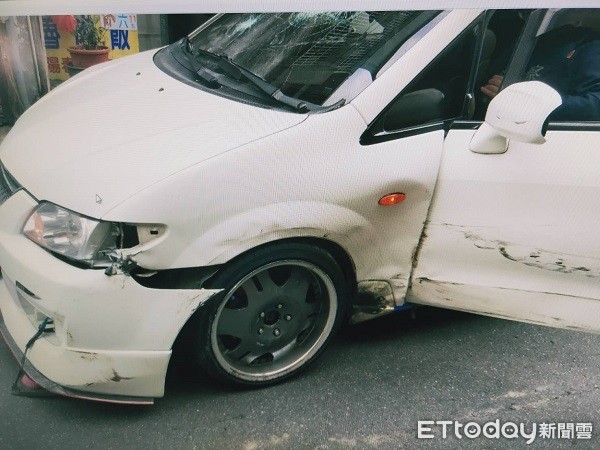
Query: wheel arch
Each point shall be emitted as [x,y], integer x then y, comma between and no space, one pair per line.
[328,258]
[224,240]
[339,254]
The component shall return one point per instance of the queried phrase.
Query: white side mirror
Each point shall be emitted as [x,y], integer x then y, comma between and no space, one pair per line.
[519,112]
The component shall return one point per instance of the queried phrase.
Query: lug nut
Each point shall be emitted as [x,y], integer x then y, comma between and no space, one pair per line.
[279,306]
[262,314]
[261,331]
[287,317]
[276,332]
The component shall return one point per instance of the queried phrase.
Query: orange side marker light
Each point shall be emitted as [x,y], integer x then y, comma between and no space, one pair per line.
[392,199]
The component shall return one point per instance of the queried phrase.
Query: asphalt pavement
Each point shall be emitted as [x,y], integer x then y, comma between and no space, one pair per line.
[369,390]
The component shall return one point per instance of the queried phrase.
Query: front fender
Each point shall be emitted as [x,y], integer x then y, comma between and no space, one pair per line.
[269,223]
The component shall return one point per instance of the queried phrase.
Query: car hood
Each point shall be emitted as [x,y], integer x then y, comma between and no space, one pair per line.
[122,126]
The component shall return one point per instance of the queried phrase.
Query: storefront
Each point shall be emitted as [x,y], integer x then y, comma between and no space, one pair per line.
[35,57]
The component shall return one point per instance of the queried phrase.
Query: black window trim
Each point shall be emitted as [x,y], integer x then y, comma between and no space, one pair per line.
[368,138]
[552,126]
[574,126]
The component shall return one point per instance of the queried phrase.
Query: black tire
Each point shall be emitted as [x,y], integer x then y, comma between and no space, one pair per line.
[266,328]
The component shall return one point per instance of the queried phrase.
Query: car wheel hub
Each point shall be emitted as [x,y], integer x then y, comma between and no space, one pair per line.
[272,317]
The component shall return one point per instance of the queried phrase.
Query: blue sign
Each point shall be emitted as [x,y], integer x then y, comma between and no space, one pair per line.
[119,39]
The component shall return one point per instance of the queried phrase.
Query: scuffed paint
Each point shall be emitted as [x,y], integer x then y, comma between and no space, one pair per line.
[473,269]
[399,285]
[87,356]
[417,249]
[375,299]
[116,377]
[538,258]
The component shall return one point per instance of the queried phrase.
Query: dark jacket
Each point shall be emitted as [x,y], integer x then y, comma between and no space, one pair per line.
[568,59]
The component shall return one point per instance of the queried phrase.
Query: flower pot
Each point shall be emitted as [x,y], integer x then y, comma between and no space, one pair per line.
[83,58]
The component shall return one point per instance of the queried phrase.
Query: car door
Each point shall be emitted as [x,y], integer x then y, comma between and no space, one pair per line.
[515,235]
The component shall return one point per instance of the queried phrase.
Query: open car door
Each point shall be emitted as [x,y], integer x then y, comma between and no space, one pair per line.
[513,232]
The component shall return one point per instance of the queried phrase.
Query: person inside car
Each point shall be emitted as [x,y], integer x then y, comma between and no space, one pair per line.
[567,59]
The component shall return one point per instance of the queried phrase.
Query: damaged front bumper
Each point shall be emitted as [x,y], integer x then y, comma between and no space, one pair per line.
[113,337]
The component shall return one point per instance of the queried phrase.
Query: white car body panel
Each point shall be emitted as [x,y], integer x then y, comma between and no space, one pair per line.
[406,165]
[163,127]
[516,222]
[339,203]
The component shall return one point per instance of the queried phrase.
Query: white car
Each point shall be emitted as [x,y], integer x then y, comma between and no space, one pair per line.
[254,185]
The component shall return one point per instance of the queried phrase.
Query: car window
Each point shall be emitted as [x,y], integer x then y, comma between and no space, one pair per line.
[503,31]
[439,93]
[308,55]
[562,50]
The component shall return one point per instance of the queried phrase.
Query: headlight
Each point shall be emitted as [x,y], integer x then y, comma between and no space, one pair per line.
[73,236]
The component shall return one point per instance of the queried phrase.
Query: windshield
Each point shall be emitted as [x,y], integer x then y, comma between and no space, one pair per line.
[306,55]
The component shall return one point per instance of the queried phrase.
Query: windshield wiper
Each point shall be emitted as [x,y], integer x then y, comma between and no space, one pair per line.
[235,70]
[202,72]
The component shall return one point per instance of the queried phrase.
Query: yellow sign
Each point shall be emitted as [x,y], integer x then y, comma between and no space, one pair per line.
[121,41]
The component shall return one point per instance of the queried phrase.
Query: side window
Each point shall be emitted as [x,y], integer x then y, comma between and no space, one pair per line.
[566,56]
[438,94]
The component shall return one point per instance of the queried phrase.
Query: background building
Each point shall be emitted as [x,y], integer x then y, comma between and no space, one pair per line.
[34,51]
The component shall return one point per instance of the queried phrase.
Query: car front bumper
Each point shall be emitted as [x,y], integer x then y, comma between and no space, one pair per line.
[112,338]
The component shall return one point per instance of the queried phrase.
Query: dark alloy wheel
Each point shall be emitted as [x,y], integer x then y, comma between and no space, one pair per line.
[282,305]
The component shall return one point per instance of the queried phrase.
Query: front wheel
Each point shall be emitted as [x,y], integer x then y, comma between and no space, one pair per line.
[282,305]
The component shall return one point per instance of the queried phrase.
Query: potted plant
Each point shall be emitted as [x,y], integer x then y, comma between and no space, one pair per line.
[90,48]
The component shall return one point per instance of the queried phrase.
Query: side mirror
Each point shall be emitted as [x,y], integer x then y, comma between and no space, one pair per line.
[519,112]
[415,108]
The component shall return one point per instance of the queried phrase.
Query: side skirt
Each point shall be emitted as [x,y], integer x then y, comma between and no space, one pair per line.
[542,308]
